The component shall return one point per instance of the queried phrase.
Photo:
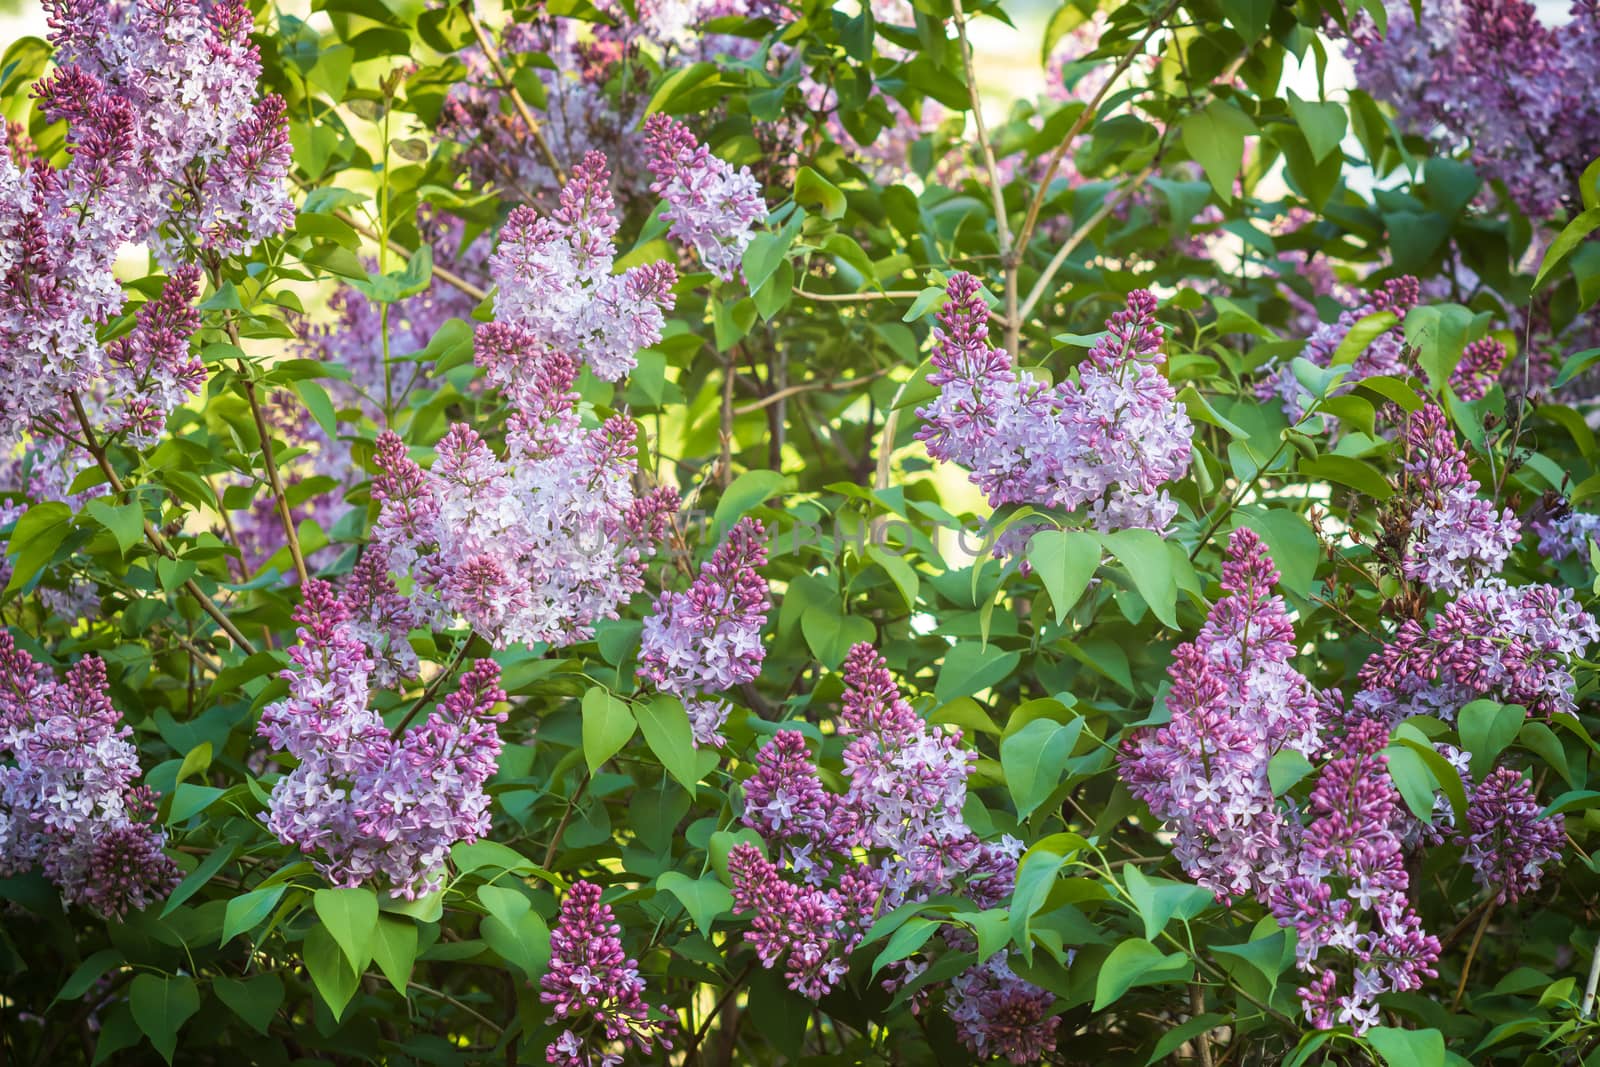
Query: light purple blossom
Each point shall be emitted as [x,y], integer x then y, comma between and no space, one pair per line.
[1455,536]
[712,207]
[1507,842]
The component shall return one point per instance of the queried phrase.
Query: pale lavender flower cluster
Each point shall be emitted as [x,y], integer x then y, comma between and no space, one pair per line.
[556,283]
[594,989]
[895,835]
[168,147]
[1566,534]
[1108,441]
[1481,364]
[1384,354]
[707,639]
[1350,867]
[1235,702]
[366,805]
[533,547]
[713,208]
[1455,537]
[1513,644]
[1507,841]
[1488,76]
[68,802]
[152,370]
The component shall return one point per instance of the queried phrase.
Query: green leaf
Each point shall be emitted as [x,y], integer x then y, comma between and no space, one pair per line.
[248,910]
[1571,236]
[190,799]
[1323,122]
[1065,560]
[1033,758]
[1182,1034]
[199,877]
[704,898]
[317,401]
[1144,555]
[911,936]
[1214,138]
[1265,954]
[812,189]
[1408,1048]
[34,540]
[607,726]
[1439,332]
[1135,962]
[666,730]
[1346,470]
[514,930]
[970,667]
[830,635]
[87,973]
[161,1005]
[1486,728]
[1366,330]
[124,521]
[748,491]
[394,950]
[1413,780]
[331,972]
[1160,900]
[255,1000]
[351,918]
[1285,768]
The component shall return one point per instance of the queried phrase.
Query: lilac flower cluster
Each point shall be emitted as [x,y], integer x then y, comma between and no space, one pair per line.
[68,802]
[1455,537]
[1384,354]
[594,988]
[151,370]
[1509,643]
[369,806]
[535,546]
[1488,76]
[712,207]
[1507,842]
[1107,441]
[169,147]
[1350,865]
[708,639]
[1566,534]
[43,470]
[1481,365]
[556,284]
[1235,702]
[895,835]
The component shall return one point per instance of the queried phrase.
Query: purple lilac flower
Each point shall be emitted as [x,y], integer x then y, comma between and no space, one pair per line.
[815,928]
[151,370]
[997,1014]
[593,987]
[533,547]
[44,469]
[381,618]
[1384,354]
[556,283]
[1509,643]
[708,638]
[1487,76]
[1235,703]
[68,802]
[1479,369]
[1566,534]
[1507,842]
[712,207]
[1347,900]
[1455,537]
[169,147]
[367,806]
[1107,441]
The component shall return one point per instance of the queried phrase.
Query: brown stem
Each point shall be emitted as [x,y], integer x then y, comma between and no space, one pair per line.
[807,387]
[153,535]
[1078,126]
[1079,233]
[534,129]
[285,513]
[433,688]
[446,276]
[566,817]
[1012,320]
[1472,953]
[693,1047]
[1197,1008]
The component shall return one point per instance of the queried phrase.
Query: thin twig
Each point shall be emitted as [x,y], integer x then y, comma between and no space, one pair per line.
[693,1047]
[1079,233]
[566,817]
[534,129]
[285,513]
[1025,233]
[448,999]
[1012,319]
[885,294]
[449,278]
[433,687]
[1197,1008]
[1472,953]
[152,534]
[807,387]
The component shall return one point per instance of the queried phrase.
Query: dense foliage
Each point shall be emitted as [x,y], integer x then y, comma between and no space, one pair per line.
[684,531]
